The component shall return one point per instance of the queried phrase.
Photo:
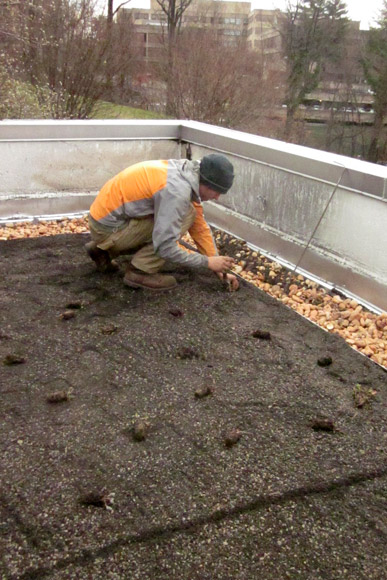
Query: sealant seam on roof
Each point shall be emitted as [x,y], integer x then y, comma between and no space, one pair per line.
[70,139]
[21,195]
[47,195]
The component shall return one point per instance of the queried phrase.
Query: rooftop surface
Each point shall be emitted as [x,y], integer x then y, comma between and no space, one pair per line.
[300,495]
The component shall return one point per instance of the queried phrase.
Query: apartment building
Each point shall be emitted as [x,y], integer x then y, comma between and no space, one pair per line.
[229,20]
[263,36]
[262,24]
[235,21]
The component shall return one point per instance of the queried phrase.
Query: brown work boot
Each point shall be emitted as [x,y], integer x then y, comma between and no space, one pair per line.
[139,279]
[101,258]
[169,267]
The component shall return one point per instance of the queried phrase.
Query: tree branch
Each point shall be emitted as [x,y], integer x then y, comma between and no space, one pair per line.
[120,6]
[19,38]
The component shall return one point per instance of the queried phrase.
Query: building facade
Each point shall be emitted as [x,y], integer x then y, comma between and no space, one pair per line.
[228,20]
[235,22]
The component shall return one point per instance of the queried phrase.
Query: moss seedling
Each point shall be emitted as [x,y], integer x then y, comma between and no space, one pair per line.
[67,315]
[59,396]
[362,396]
[140,430]
[321,424]
[325,361]
[187,352]
[109,329]
[13,359]
[176,312]
[262,334]
[98,499]
[204,392]
[232,437]
[76,305]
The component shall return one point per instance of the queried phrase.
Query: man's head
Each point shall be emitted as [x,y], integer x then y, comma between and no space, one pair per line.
[216,176]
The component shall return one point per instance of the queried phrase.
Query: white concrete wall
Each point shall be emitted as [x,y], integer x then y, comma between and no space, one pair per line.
[76,156]
[75,166]
[354,228]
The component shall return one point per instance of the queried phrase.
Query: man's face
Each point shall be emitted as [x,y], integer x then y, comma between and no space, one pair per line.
[207,194]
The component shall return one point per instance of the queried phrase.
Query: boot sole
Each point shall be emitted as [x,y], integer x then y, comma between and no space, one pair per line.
[136,285]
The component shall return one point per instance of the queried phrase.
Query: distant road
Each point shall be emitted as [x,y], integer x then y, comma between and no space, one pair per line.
[323,116]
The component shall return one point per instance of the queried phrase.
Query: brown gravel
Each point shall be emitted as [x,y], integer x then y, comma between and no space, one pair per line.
[43,228]
[363,330]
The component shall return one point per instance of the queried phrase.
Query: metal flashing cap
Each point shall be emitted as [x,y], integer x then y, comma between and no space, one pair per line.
[217,172]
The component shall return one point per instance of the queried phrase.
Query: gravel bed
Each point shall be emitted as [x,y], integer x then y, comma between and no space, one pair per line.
[362,329]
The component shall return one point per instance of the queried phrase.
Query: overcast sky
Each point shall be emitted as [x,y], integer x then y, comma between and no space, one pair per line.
[364,10]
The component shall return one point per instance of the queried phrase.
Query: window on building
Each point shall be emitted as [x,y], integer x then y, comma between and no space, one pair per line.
[231,32]
[140,38]
[270,42]
[159,16]
[153,52]
[141,16]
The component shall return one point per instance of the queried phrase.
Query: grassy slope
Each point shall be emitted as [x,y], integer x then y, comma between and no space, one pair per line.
[105,110]
[355,141]
[352,145]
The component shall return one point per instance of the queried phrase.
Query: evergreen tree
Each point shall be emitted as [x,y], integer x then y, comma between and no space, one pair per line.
[313,33]
[375,70]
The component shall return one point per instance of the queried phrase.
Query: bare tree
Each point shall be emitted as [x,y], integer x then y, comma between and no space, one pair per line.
[312,33]
[64,50]
[174,11]
[111,13]
[219,84]
[346,132]
[125,62]
[59,47]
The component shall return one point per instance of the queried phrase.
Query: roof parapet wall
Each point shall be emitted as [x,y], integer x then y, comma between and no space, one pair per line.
[281,191]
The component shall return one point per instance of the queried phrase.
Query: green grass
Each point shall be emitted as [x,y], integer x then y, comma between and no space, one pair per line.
[354,141]
[105,110]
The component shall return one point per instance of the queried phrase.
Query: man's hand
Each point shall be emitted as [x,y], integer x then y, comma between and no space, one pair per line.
[220,264]
[230,279]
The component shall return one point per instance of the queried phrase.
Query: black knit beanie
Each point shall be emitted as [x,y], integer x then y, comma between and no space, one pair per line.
[216,172]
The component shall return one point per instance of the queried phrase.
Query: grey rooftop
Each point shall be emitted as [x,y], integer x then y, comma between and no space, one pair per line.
[291,499]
